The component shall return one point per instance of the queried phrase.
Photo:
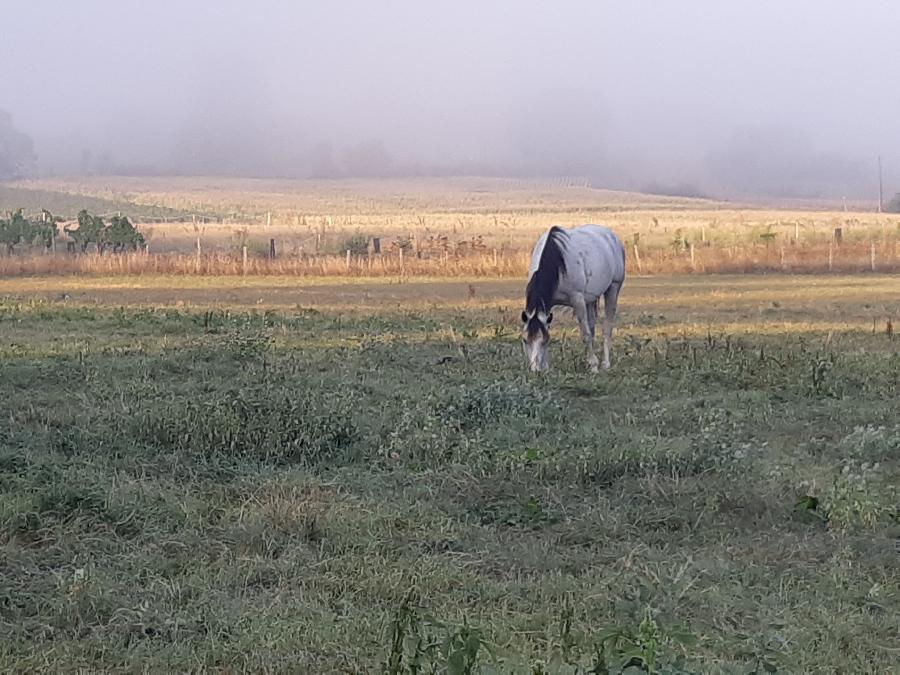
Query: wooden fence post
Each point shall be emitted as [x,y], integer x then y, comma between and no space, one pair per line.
[693,266]
[838,235]
[272,249]
[376,245]
[637,257]
[348,258]
[401,261]
[244,259]
[199,253]
[872,255]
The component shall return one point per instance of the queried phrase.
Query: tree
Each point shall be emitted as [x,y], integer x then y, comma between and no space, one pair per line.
[91,230]
[120,234]
[893,206]
[17,229]
[12,230]
[17,156]
[46,230]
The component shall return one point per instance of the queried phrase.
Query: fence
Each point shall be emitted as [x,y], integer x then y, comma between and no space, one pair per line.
[813,257]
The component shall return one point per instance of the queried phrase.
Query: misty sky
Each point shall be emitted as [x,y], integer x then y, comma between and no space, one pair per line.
[736,96]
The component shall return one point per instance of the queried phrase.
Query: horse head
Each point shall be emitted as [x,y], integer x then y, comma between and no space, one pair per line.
[536,338]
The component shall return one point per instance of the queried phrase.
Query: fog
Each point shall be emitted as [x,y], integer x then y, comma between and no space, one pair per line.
[744,98]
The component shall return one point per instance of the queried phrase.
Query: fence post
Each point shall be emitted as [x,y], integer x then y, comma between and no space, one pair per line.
[348,259]
[199,253]
[693,267]
[376,245]
[637,257]
[244,259]
[272,249]
[401,261]
[838,235]
[872,255]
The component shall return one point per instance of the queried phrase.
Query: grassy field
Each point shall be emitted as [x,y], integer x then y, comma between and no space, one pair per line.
[465,227]
[274,474]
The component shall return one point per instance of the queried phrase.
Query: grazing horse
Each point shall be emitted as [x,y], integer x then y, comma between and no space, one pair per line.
[573,268]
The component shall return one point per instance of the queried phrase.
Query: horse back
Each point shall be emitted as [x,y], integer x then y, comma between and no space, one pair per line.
[599,252]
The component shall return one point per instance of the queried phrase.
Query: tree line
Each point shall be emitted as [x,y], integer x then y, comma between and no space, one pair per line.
[117,235]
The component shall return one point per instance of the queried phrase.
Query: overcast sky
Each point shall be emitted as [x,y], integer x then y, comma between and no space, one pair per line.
[738,96]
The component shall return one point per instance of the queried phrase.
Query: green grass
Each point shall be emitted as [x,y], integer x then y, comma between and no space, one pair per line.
[328,490]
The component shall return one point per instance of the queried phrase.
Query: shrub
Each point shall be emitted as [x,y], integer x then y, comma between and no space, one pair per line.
[358,245]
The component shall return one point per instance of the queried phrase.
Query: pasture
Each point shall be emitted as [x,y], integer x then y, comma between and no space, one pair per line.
[358,475]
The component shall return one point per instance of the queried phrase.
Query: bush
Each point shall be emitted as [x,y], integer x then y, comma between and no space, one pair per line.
[358,245]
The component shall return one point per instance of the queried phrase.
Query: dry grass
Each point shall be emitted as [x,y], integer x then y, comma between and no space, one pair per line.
[464,227]
[815,258]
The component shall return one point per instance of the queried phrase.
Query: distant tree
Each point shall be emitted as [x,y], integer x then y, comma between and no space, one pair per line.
[91,230]
[12,230]
[893,206]
[46,229]
[17,156]
[121,235]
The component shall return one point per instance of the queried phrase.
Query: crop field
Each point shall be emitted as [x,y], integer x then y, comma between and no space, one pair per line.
[283,474]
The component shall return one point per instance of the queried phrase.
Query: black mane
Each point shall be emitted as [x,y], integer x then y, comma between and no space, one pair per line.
[542,286]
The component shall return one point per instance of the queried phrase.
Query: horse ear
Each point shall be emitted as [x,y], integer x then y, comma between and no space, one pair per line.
[524,317]
[549,318]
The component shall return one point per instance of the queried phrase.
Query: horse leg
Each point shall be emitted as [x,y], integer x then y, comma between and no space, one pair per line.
[583,314]
[610,301]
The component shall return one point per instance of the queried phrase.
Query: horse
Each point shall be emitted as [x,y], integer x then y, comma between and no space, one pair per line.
[572,268]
